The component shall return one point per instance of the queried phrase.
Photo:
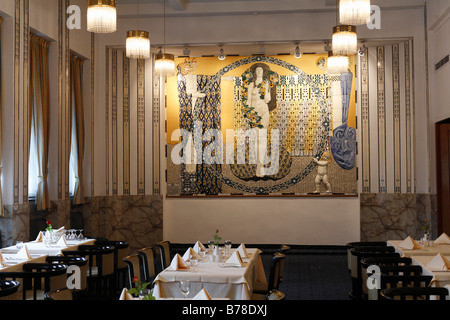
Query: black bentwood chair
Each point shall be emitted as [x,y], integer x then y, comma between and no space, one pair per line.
[8,289]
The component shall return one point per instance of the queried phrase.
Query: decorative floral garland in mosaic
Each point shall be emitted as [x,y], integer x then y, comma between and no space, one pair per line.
[250,114]
[325,121]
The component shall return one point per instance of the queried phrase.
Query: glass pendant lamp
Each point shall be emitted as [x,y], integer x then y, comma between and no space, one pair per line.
[102,16]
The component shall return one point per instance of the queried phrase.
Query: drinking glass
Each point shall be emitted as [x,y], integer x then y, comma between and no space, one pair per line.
[193,261]
[185,287]
[144,293]
[228,247]
[19,244]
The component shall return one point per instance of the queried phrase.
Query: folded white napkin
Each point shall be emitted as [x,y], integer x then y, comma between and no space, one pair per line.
[242,250]
[189,252]
[23,253]
[2,261]
[235,259]
[62,242]
[202,295]
[178,263]
[40,237]
[199,247]
[410,244]
[125,295]
[439,262]
[443,239]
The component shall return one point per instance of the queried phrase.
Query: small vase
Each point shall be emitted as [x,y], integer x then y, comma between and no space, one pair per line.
[48,238]
[216,250]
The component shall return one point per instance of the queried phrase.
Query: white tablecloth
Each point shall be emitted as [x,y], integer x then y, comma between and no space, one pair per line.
[424,251]
[440,278]
[38,252]
[235,283]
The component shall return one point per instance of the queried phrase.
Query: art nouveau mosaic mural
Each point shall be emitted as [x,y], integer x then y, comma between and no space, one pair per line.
[260,125]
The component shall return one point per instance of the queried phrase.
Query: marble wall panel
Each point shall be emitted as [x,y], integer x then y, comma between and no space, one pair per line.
[394,216]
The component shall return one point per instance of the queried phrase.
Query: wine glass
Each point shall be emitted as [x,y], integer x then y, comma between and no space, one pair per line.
[193,261]
[185,287]
[228,247]
[19,244]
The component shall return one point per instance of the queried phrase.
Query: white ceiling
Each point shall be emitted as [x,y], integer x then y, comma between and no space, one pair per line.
[182,8]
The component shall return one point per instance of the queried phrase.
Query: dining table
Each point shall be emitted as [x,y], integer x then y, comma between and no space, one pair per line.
[38,252]
[220,279]
[423,255]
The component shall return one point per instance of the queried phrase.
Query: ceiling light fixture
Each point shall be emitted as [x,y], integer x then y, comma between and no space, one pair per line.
[102,16]
[297,53]
[362,50]
[337,64]
[345,39]
[138,42]
[222,55]
[165,62]
[354,12]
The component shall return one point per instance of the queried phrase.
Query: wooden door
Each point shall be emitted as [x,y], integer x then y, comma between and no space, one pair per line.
[443,176]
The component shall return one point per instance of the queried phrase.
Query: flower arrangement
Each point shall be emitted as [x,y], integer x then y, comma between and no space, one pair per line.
[217,238]
[49,226]
[425,227]
[138,287]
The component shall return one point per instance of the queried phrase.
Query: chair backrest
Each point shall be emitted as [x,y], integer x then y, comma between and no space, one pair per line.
[385,261]
[414,293]
[100,256]
[165,253]
[36,277]
[352,245]
[359,253]
[397,281]
[59,294]
[148,263]
[275,268]
[79,261]
[133,263]
[121,252]
[57,278]
[8,288]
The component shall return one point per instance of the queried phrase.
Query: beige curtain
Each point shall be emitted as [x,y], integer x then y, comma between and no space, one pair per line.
[2,212]
[77,125]
[40,113]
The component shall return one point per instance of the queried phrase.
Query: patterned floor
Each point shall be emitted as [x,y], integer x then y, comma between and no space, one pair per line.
[314,276]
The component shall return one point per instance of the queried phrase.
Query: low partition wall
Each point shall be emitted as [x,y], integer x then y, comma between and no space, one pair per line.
[395,216]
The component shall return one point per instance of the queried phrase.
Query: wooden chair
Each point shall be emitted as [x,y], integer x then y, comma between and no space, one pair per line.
[414,293]
[59,294]
[148,263]
[121,251]
[165,253]
[271,292]
[8,289]
[134,263]
[101,269]
[358,253]
[352,245]
[389,275]
[36,279]
[82,263]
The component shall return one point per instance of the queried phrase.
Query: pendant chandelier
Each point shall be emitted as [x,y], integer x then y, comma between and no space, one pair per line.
[138,42]
[102,16]
[345,40]
[165,62]
[337,64]
[354,12]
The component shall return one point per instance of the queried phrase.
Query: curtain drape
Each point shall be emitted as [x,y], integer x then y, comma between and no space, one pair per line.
[39,111]
[77,126]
